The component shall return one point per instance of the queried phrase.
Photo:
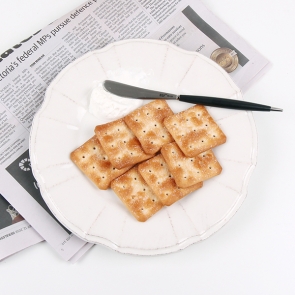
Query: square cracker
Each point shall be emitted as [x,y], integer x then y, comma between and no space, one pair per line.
[147,125]
[156,173]
[188,171]
[93,162]
[136,195]
[194,130]
[120,144]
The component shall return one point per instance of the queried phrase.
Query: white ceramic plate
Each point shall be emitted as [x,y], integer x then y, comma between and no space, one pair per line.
[64,122]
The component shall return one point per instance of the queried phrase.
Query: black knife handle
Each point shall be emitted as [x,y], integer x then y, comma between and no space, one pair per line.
[224,103]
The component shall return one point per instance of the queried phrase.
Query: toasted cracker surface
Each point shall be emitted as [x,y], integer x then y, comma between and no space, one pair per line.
[136,195]
[147,125]
[157,175]
[194,130]
[190,170]
[120,144]
[93,162]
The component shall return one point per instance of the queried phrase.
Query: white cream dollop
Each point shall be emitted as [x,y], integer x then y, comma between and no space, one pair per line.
[109,106]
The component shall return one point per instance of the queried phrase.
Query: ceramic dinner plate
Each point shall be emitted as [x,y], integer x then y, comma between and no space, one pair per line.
[64,122]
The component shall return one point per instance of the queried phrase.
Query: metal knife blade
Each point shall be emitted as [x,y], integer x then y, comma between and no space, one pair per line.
[129,91]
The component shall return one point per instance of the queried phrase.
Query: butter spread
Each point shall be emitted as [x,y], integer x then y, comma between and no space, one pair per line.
[110,106]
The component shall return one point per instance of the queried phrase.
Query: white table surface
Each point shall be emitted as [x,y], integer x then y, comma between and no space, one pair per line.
[255,252]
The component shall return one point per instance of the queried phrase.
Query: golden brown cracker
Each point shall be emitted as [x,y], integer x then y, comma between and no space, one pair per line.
[147,125]
[157,175]
[194,130]
[93,162]
[120,144]
[136,195]
[190,170]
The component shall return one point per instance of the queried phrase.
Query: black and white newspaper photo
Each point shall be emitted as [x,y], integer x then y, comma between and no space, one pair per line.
[16,233]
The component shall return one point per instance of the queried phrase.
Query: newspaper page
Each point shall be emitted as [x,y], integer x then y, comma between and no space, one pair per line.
[195,28]
[16,233]
[27,68]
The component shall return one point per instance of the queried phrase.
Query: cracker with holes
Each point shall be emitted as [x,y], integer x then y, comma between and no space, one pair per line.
[194,130]
[93,162]
[136,195]
[157,175]
[120,144]
[188,171]
[147,125]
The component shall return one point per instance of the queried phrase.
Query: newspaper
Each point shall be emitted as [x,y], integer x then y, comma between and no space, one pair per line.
[15,233]
[27,68]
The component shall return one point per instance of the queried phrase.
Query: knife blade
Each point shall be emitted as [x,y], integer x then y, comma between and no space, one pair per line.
[128,91]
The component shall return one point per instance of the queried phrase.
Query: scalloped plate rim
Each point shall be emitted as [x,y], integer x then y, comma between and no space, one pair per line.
[142,251]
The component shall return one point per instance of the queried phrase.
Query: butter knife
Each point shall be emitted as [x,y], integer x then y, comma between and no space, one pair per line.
[129,91]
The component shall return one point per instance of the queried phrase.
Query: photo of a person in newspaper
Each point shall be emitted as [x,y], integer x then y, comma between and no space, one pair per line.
[15,232]
[8,215]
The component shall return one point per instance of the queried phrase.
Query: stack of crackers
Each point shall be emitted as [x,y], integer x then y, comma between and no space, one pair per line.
[152,157]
